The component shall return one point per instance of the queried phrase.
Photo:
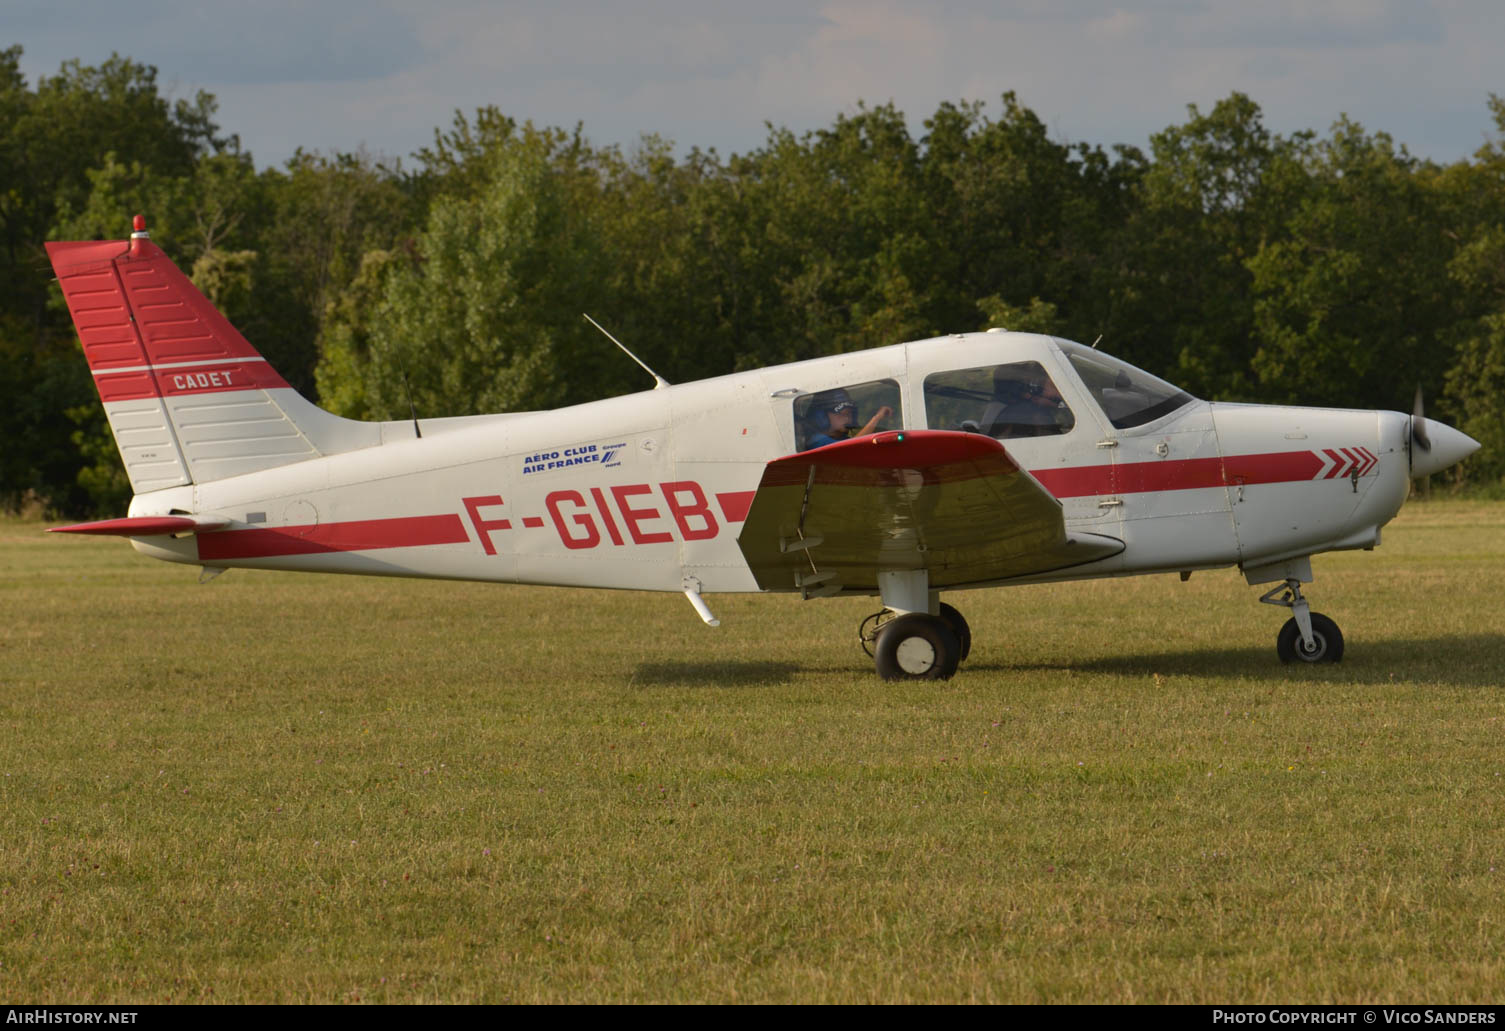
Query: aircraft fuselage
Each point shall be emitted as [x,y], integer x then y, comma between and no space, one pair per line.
[645,490]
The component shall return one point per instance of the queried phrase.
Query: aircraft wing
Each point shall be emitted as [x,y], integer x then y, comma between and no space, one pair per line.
[954,504]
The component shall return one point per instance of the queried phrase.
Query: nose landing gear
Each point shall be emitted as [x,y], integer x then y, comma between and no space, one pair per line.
[1307,636]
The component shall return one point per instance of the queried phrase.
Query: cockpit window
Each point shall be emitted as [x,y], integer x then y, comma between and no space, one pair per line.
[850,411]
[1002,401]
[1129,397]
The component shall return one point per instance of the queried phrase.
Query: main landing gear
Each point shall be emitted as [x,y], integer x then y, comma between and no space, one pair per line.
[916,645]
[1307,636]
[905,640]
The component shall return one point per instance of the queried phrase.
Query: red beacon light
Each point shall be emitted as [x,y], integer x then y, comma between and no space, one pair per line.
[139,233]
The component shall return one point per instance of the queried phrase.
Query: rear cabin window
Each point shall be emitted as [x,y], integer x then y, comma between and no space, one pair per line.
[828,416]
[1001,401]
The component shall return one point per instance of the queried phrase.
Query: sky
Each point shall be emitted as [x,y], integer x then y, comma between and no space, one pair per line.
[382,75]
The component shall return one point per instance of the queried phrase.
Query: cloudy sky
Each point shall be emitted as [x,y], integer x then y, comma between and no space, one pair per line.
[341,74]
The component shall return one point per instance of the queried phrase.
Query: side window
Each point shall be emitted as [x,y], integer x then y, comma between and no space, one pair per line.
[830,415]
[1002,401]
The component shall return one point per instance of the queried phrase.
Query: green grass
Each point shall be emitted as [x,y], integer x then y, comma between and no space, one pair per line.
[285,788]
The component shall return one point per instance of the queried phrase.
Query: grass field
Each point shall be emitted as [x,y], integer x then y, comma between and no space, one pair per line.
[285,788]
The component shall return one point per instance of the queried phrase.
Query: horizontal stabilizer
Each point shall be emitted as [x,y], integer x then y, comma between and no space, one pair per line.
[146,526]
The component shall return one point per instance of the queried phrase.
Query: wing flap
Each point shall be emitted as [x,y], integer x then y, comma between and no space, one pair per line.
[955,504]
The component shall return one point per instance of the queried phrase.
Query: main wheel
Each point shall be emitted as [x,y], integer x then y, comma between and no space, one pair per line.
[1327,641]
[916,646]
[958,627]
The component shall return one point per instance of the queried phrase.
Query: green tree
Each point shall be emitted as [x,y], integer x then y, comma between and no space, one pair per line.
[1180,292]
[482,313]
[1474,394]
[1036,317]
[1352,299]
[1017,216]
[323,214]
[834,231]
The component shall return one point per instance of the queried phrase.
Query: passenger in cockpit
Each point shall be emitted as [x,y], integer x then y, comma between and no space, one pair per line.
[831,417]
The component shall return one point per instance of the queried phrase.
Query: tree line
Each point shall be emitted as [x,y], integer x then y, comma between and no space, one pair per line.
[1239,263]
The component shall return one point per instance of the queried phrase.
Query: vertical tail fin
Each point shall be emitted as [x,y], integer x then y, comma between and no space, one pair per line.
[188,398]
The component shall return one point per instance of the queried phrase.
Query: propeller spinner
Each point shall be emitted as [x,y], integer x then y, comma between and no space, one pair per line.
[1434,445]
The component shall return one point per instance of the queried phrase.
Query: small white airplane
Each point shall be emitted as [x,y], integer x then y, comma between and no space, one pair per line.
[982,459]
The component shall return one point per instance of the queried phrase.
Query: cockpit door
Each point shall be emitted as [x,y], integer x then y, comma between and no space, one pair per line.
[1167,470]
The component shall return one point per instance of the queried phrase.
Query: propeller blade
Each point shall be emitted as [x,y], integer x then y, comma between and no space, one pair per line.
[1419,424]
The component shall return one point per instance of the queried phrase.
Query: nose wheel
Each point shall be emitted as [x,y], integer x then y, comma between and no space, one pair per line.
[1307,636]
[1326,646]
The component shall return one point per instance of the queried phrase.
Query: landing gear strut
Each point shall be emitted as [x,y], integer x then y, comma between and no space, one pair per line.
[1307,636]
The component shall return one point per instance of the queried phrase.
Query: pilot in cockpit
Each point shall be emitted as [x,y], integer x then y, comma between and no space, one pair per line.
[1025,404]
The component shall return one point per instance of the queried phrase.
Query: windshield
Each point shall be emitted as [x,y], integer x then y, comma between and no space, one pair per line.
[1129,397]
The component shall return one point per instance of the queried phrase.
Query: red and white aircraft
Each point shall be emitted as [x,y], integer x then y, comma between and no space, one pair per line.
[981,459]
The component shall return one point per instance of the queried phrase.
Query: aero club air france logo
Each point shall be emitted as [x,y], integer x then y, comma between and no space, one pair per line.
[602,455]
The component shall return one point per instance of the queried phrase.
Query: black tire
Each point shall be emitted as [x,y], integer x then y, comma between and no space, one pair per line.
[916,646]
[960,628]
[1327,641]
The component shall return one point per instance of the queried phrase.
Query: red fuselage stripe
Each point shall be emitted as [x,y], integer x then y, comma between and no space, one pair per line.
[360,535]
[1179,474]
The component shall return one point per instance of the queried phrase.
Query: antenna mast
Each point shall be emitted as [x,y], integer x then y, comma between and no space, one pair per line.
[658,381]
